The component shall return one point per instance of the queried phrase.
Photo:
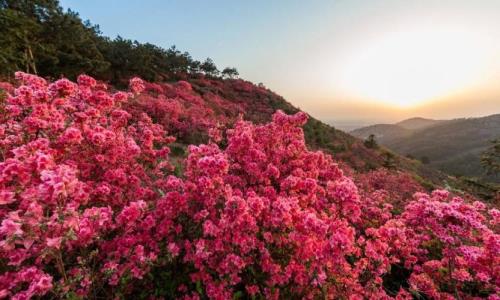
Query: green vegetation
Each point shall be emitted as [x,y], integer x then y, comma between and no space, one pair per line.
[389,160]
[371,142]
[454,146]
[53,43]
[491,158]
[230,73]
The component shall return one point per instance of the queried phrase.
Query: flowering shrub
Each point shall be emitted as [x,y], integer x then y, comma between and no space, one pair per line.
[183,113]
[90,207]
[264,216]
[399,185]
[384,193]
[76,177]
[462,254]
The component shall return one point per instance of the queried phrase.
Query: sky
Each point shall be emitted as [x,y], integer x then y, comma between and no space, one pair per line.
[340,61]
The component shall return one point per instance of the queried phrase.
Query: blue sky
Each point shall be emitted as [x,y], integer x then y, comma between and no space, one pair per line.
[231,32]
[338,60]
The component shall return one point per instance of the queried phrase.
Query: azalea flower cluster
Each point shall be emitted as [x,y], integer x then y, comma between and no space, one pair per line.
[77,174]
[190,110]
[182,112]
[90,207]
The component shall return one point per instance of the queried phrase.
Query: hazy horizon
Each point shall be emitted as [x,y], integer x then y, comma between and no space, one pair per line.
[351,124]
[337,60]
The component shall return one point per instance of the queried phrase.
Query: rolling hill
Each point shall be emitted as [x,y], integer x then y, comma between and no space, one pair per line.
[97,184]
[418,123]
[383,132]
[189,109]
[226,99]
[453,146]
[185,95]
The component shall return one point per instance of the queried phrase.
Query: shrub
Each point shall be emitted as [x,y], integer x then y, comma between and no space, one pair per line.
[91,206]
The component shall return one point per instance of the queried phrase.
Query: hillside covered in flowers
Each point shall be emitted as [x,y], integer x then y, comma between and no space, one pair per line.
[217,189]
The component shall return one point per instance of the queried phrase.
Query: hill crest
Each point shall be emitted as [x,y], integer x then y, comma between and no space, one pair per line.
[418,123]
[453,146]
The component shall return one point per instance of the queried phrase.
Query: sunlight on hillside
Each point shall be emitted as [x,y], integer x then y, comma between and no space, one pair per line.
[412,67]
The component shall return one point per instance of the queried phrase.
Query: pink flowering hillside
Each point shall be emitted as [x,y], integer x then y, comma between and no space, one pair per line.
[193,110]
[93,206]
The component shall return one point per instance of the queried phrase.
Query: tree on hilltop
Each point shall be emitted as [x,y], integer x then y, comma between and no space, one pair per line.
[230,73]
[371,142]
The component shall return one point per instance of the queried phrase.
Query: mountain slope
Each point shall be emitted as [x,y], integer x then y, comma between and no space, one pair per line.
[389,132]
[188,109]
[383,132]
[85,171]
[453,146]
[191,110]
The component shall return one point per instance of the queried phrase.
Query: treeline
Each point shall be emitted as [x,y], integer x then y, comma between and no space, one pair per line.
[39,36]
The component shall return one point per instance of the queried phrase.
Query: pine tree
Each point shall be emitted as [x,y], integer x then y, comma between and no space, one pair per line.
[371,142]
[230,73]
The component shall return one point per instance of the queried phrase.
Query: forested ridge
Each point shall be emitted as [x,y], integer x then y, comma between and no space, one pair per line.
[41,37]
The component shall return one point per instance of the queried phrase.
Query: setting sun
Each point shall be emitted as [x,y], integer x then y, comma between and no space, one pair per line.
[408,68]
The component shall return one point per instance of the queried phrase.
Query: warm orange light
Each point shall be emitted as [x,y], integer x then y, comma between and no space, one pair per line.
[411,67]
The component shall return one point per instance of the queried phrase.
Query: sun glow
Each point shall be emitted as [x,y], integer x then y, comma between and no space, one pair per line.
[408,68]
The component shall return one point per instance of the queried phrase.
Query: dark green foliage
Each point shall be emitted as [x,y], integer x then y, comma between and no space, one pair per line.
[20,30]
[371,142]
[209,67]
[389,160]
[130,58]
[177,150]
[490,159]
[38,36]
[484,190]
[320,135]
[71,47]
[230,73]
[167,278]
[396,279]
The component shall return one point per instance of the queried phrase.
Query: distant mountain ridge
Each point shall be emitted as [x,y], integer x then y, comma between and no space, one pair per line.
[453,146]
[418,123]
[383,132]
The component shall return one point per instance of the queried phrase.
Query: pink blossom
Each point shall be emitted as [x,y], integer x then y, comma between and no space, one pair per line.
[10,227]
[136,85]
[91,204]
[54,242]
[6,197]
[86,81]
